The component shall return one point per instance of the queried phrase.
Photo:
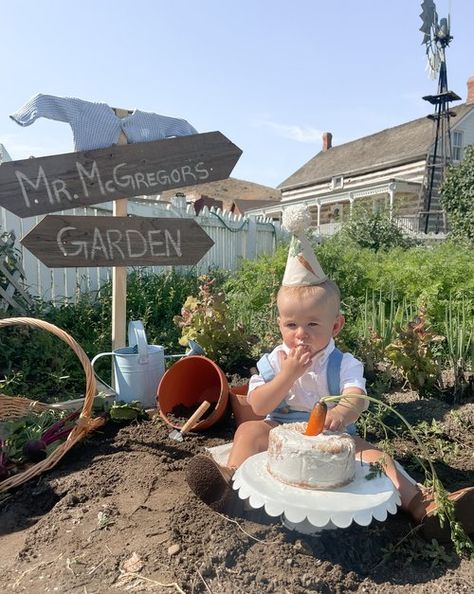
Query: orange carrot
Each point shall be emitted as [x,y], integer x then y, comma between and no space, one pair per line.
[316,419]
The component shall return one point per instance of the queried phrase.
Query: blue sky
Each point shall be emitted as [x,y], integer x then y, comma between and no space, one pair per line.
[271,75]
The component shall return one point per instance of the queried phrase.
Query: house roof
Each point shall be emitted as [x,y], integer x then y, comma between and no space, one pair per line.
[242,206]
[227,190]
[404,143]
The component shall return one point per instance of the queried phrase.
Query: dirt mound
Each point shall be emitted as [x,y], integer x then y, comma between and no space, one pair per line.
[116,515]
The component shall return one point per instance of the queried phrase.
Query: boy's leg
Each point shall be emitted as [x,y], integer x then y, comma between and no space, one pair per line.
[417,502]
[250,438]
[212,482]
[407,488]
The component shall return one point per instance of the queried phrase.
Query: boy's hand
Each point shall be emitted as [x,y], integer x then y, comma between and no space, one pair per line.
[267,396]
[294,365]
[335,420]
[346,411]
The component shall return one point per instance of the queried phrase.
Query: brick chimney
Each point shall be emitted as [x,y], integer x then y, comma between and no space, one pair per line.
[470,90]
[327,140]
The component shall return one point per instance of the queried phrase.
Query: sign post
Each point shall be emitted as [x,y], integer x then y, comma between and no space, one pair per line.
[64,241]
[48,184]
[119,274]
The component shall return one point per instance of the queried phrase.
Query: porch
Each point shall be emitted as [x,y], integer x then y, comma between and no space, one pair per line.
[399,198]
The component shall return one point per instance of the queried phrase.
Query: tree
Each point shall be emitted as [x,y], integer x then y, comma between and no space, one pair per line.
[457,196]
[375,231]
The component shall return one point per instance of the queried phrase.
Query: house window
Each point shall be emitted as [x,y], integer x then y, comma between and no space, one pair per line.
[335,212]
[457,146]
[337,182]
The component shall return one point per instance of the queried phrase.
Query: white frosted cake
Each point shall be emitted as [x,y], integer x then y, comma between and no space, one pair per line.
[324,461]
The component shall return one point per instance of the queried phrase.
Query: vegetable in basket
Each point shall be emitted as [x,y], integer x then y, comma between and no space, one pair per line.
[36,450]
[47,427]
[17,432]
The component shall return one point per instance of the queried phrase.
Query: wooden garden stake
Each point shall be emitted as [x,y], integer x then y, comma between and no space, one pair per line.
[119,274]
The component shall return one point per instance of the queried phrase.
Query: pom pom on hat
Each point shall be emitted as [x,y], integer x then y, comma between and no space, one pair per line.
[302,266]
[296,219]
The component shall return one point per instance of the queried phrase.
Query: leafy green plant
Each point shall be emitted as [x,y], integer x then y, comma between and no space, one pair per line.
[460,420]
[206,320]
[378,288]
[370,349]
[375,470]
[424,275]
[402,279]
[10,258]
[376,329]
[250,295]
[412,353]
[348,265]
[436,441]
[152,298]
[457,196]
[125,412]
[382,316]
[412,550]
[459,332]
[28,428]
[375,230]
[36,364]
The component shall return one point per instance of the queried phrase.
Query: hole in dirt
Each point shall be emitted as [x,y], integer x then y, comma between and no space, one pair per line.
[23,508]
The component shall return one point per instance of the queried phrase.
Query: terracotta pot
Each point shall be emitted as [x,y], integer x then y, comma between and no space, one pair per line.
[240,407]
[190,381]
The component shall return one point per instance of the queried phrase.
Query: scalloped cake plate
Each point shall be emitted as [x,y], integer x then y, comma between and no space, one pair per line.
[308,510]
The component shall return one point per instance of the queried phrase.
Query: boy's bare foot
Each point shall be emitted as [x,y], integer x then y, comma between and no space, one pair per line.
[210,482]
[422,509]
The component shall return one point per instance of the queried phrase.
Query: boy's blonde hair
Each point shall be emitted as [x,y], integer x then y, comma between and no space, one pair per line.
[328,292]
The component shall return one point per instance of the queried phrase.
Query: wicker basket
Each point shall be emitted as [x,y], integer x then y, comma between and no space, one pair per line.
[14,406]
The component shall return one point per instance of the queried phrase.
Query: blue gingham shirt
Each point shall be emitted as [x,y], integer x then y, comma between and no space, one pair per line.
[95,125]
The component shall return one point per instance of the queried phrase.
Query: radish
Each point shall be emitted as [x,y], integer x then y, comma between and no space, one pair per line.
[36,450]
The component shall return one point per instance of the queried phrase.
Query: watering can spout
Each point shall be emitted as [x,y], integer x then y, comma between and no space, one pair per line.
[194,349]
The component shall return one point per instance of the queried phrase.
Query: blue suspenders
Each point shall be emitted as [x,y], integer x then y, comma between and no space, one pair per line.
[334,372]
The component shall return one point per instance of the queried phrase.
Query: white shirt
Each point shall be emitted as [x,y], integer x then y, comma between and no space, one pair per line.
[313,385]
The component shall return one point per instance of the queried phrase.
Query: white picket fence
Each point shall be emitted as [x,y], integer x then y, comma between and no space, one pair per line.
[235,237]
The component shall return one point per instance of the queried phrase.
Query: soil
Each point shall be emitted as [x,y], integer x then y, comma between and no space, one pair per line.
[116,515]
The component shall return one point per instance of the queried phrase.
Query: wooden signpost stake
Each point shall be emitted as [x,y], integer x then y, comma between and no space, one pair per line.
[119,274]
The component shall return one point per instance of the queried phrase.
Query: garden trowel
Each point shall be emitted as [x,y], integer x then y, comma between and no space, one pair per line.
[177,434]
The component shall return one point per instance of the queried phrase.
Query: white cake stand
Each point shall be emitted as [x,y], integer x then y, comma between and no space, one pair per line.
[310,511]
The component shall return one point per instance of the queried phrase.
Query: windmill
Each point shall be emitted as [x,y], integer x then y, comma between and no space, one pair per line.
[436,37]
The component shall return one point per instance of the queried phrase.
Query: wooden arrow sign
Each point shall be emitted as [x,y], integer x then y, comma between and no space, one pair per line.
[66,241]
[48,184]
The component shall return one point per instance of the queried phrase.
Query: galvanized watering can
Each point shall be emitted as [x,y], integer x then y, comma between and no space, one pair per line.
[139,367]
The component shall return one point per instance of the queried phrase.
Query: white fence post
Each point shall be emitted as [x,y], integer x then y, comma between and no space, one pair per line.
[251,239]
